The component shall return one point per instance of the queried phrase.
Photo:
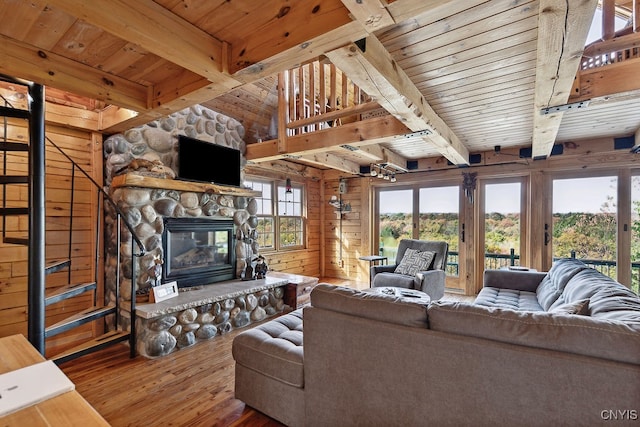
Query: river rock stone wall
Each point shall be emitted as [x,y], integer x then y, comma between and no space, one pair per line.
[151,150]
[162,335]
[155,143]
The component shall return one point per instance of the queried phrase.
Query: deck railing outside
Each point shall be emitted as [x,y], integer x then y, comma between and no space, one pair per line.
[495,261]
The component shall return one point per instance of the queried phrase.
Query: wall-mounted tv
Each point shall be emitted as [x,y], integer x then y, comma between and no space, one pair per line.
[208,162]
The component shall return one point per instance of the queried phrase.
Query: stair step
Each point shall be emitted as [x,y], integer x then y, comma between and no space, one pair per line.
[69,291]
[14,179]
[14,112]
[57,266]
[81,318]
[14,146]
[95,344]
[16,240]
[14,211]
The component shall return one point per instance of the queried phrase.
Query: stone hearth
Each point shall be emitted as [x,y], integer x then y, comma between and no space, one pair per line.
[202,313]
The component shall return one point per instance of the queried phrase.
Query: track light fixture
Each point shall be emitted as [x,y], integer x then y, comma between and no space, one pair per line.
[383,171]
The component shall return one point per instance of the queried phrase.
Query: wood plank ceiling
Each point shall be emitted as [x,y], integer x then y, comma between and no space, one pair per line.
[472,74]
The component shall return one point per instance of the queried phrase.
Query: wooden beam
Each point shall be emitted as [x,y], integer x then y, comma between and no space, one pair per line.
[113,115]
[72,117]
[562,31]
[301,53]
[358,134]
[369,65]
[184,97]
[394,159]
[373,153]
[372,14]
[282,112]
[50,69]
[332,161]
[608,19]
[157,30]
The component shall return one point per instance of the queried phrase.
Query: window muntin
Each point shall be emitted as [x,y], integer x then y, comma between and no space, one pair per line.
[281,224]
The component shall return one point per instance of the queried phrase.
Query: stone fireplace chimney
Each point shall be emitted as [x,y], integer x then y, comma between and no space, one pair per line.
[140,167]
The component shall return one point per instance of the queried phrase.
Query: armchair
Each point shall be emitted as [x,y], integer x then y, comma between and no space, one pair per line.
[430,280]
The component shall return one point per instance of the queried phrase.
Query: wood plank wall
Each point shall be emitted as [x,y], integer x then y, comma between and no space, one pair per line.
[346,235]
[85,148]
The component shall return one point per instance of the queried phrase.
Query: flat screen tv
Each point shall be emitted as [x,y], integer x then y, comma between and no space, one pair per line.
[208,162]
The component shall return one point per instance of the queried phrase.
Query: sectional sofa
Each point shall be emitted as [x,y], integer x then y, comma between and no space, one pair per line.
[535,349]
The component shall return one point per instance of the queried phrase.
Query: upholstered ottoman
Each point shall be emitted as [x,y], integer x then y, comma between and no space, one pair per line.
[270,370]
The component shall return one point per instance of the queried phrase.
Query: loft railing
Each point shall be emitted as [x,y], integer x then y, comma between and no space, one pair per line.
[318,95]
[615,46]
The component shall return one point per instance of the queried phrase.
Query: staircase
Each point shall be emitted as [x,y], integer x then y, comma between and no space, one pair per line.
[47,300]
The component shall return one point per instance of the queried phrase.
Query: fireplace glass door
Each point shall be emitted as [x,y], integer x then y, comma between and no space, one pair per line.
[198,251]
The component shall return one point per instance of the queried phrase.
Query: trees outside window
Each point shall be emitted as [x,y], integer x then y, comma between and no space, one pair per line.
[280,219]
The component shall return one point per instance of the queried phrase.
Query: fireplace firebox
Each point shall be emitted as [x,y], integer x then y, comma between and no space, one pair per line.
[198,251]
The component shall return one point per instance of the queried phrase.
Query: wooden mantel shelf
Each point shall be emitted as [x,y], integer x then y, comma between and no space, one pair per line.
[134,180]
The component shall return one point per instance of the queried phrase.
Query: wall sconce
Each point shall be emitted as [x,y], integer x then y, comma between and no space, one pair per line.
[469,184]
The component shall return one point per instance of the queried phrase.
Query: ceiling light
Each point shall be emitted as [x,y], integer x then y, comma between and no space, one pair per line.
[373,171]
[393,177]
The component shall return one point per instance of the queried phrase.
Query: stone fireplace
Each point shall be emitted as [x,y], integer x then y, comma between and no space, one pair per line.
[140,167]
[167,215]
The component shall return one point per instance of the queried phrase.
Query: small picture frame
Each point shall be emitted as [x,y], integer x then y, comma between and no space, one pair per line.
[164,292]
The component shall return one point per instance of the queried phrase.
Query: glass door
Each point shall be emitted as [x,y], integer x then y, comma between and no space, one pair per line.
[585,221]
[439,219]
[395,220]
[502,224]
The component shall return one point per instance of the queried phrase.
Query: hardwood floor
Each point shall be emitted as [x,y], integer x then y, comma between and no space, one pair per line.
[191,387]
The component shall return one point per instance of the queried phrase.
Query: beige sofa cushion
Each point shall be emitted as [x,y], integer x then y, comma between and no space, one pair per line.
[569,333]
[385,308]
[274,349]
[552,286]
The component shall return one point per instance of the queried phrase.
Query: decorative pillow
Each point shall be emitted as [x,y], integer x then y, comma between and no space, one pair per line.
[580,307]
[414,261]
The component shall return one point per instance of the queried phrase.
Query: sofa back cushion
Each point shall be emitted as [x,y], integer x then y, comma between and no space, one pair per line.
[608,299]
[552,286]
[376,306]
[607,339]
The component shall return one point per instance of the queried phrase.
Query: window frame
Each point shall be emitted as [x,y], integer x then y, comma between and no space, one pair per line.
[276,217]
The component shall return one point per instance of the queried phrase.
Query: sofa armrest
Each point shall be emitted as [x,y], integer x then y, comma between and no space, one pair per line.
[511,279]
[375,269]
[431,282]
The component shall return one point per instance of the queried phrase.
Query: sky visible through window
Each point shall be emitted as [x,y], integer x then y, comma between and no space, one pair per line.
[585,195]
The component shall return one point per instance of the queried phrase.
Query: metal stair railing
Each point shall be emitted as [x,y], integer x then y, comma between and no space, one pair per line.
[36,305]
[120,219]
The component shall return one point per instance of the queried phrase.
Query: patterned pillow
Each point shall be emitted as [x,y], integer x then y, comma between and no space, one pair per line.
[414,261]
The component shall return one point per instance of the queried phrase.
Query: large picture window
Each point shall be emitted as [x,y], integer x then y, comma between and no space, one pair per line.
[280,218]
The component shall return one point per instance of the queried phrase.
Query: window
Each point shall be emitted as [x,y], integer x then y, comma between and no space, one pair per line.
[283,213]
